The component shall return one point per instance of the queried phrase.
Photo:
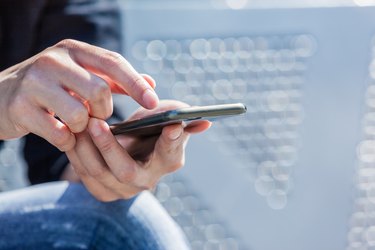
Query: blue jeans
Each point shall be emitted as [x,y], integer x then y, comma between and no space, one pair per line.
[65,216]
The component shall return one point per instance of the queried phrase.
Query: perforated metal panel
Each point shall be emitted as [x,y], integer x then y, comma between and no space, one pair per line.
[282,177]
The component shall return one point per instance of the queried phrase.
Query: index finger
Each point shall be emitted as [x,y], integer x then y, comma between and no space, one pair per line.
[115,67]
[123,167]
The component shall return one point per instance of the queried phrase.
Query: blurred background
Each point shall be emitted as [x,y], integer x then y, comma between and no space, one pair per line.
[297,171]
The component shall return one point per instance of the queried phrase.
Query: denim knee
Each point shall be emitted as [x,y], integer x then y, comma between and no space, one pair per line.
[66,216]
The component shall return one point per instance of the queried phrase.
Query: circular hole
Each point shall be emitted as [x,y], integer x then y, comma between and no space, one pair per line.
[370,93]
[180,90]
[280,172]
[177,188]
[285,60]
[199,49]
[285,184]
[184,64]
[166,77]
[370,218]
[277,100]
[268,61]
[369,119]
[273,128]
[192,100]
[355,235]
[370,193]
[304,45]
[163,192]
[173,49]
[366,151]
[156,50]
[264,185]
[222,89]
[246,44]
[211,245]
[217,47]
[260,43]
[265,168]
[174,206]
[227,62]
[286,155]
[214,232]
[190,203]
[197,74]
[229,244]
[197,245]
[277,199]
[184,219]
[239,87]
[370,236]
[202,217]
[366,175]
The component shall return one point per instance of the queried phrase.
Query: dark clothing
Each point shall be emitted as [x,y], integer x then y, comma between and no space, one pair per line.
[29,26]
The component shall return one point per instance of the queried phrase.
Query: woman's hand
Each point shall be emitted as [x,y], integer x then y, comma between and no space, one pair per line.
[71,80]
[120,167]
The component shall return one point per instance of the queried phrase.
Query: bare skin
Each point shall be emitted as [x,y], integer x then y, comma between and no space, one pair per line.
[64,94]
[71,80]
[111,173]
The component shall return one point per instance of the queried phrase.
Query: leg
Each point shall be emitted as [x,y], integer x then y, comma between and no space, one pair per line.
[65,216]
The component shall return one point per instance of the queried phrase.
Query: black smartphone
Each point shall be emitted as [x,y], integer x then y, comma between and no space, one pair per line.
[153,125]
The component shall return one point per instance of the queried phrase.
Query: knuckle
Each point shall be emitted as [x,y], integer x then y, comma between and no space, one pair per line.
[77,119]
[79,171]
[112,59]
[105,146]
[97,172]
[67,43]
[100,99]
[19,104]
[100,90]
[61,139]
[127,175]
[47,58]
[137,82]
[31,76]
[115,57]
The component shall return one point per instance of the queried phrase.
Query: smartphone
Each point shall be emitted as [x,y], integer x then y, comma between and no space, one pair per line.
[153,125]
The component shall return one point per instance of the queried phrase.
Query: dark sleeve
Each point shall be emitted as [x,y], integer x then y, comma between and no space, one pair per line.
[97,22]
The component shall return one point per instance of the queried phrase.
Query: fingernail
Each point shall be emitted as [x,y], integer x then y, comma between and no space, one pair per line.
[150,99]
[175,134]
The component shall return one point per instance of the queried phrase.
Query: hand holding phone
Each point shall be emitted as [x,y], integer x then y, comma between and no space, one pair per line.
[154,124]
